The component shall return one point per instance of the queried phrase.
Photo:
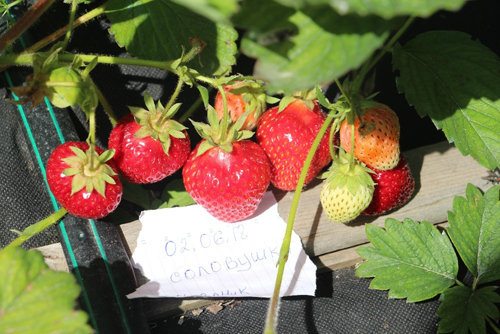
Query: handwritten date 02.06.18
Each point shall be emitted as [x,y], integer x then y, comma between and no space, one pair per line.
[206,240]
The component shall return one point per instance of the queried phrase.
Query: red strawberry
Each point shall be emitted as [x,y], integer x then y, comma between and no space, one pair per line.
[393,188]
[376,138]
[149,146]
[84,191]
[243,97]
[229,185]
[287,136]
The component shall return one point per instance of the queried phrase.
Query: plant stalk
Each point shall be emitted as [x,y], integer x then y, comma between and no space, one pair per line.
[492,325]
[70,24]
[225,118]
[174,96]
[24,23]
[38,227]
[369,64]
[272,314]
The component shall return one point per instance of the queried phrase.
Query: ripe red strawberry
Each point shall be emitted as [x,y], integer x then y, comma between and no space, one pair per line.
[393,188]
[287,136]
[149,147]
[229,185]
[376,138]
[243,97]
[84,191]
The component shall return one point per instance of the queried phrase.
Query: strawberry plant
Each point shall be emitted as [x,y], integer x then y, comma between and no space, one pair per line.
[318,59]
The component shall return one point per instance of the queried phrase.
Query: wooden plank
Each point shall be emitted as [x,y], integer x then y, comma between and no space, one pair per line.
[54,257]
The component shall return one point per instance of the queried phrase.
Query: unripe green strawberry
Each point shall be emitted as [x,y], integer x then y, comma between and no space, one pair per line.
[348,189]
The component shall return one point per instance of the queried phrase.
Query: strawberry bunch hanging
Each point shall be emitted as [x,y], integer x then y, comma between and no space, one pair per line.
[370,137]
[226,173]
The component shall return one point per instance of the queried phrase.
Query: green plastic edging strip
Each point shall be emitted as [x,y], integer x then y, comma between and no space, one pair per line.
[108,269]
[55,205]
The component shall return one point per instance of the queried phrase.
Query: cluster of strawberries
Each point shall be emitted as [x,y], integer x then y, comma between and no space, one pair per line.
[227,172]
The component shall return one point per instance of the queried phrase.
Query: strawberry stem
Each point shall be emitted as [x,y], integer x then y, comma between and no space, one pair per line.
[225,119]
[24,23]
[70,24]
[492,325]
[367,66]
[91,138]
[173,98]
[272,314]
[38,227]
[107,107]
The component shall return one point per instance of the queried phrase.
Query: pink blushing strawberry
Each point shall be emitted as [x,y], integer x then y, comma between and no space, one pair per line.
[393,188]
[84,190]
[229,185]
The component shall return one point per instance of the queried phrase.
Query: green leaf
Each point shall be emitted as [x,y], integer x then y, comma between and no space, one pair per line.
[475,232]
[463,309]
[215,10]
[383,8]
[299,49]
[175,194]
[159,29]
[413,260]
[35,299]
[454,80]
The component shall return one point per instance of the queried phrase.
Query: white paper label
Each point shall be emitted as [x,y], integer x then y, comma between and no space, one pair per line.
[185,252]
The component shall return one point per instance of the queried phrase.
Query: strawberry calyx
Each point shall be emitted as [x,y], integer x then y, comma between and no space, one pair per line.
[216,135]
[306,96]
[254,95]
[89,170]
[344,173]
[157,122]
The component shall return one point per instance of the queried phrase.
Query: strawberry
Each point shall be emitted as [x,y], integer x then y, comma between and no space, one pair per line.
[226,173]
[149,144]
[82,189]
[348,189]
[228,185]
[287,135]
[243,97]
[393,188]
[376,138]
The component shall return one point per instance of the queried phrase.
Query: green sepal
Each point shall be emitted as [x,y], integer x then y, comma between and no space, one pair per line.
[285,101]
[149,102]
[144,132]
[272,99]
[98,184]
[77,183]
[344,174]
[106,156]
[213,118]
[79,153]
[203,93]
[173,110]
[204,146]
[71,171]
[204,130]
[226,147]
